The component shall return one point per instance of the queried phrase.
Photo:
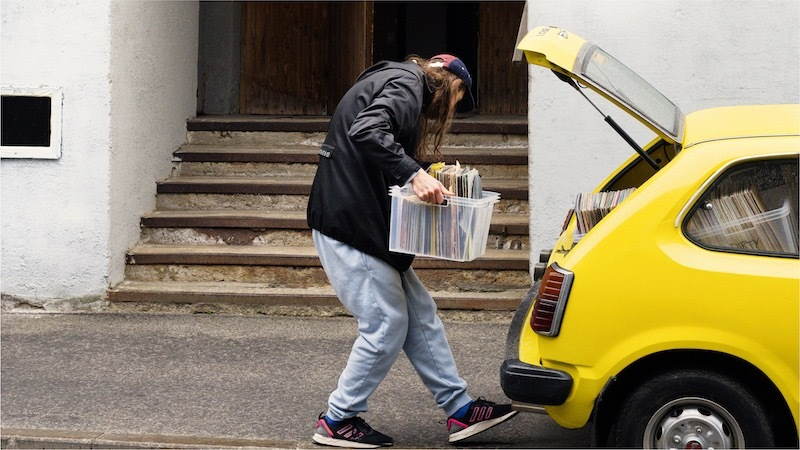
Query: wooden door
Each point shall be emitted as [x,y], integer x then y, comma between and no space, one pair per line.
[350,46]
[298,58]
[502,85]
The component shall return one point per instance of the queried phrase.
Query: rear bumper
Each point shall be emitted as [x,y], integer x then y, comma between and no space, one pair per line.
[536,385]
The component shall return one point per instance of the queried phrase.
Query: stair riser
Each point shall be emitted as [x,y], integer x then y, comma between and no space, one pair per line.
[269,301]
[275,138]
[275,202]
[276,237]
[251,169]
[450,280]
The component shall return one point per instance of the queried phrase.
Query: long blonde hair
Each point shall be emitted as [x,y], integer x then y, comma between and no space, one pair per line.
[437,117]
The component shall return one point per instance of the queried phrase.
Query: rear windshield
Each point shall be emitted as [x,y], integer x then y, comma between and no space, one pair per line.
[616,78]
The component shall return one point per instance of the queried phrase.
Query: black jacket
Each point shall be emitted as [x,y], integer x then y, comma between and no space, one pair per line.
[369,147]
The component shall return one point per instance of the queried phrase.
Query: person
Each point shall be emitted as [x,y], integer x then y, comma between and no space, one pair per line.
[385,126]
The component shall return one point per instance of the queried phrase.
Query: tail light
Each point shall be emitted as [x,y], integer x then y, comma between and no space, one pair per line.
[548,310]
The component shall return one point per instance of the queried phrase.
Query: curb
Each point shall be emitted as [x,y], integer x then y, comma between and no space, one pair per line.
[11,438]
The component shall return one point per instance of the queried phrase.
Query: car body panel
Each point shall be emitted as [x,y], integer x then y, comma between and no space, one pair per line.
[704,299]
[640,286]
[732,122]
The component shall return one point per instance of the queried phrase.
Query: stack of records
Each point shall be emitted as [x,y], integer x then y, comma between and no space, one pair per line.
[456,230]
[741,221]
[591,207]
[462,181]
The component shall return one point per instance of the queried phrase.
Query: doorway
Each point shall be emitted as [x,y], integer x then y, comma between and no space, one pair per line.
[427,29]
[298,58]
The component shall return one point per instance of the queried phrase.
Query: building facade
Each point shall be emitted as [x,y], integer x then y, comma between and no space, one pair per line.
[125,76]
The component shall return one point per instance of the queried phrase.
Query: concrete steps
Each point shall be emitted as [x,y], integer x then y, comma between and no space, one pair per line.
[247,255]
[509,188]
[280,228]
[298,153]
[493,125]
[230,222]
[252,293]
[283,276]
[274,202]
[301,160]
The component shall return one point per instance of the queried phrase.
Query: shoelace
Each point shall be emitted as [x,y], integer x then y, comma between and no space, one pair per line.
[480,401]
[362,425]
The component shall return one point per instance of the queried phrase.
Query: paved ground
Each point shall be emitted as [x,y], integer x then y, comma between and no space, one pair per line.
[231,376]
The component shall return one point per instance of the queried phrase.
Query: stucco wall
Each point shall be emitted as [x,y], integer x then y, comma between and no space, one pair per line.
[153,92]
[700,54]
[55,212]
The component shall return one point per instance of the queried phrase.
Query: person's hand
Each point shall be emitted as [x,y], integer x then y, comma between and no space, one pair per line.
[428,189]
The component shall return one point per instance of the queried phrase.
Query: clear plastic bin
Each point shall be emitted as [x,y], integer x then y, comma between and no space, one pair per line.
[456,230]
[771,230]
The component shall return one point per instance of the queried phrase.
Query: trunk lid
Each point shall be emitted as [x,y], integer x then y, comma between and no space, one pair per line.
[590,66]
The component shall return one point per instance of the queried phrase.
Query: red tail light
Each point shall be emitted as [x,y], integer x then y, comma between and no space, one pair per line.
[548,310]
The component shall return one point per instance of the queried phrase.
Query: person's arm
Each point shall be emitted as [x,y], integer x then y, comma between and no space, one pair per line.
[396,108]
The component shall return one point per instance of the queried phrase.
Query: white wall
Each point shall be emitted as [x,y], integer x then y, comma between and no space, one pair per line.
[699,53]
[153,92]
[55,212]
[129,74]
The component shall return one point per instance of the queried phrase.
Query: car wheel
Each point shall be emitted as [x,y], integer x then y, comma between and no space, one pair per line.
[691,409]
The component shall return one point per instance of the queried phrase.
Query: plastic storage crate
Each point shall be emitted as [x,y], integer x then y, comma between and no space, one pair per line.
[771,230]
[456,230]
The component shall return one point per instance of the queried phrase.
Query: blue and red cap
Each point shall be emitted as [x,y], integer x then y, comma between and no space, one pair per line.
[457,67]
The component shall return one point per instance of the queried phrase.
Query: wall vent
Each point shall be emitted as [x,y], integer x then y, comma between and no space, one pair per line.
[31,122]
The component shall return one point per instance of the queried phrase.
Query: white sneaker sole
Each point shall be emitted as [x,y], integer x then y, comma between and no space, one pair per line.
[325,440]
[480,427]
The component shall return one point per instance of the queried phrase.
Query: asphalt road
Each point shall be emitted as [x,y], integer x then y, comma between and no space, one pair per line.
[232,376]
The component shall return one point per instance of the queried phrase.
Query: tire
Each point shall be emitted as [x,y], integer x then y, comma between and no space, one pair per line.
[673,405]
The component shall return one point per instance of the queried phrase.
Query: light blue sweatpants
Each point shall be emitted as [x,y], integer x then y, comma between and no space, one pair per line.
[394,311]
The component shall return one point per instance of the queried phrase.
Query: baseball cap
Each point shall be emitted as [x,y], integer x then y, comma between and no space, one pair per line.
[457,67]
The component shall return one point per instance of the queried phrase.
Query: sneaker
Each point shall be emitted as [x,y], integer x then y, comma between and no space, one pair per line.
[352,433]
[481,416]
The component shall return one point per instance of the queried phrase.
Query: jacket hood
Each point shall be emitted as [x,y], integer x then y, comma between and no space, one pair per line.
[386,65]
[409,67]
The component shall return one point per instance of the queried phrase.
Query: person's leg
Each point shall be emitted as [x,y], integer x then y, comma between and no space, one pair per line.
[372,291]
[427,347]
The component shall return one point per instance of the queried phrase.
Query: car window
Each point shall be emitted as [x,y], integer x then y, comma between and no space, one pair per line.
[751,208]
[616,78]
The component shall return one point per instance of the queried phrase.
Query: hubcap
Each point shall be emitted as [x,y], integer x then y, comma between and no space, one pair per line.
[693,422]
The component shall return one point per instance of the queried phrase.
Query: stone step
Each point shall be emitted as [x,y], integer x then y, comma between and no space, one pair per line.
[280,228]
[253,293]
[501,223]
[275,170]
[308,154]
[450,280]
[301,160]
[278,237]
[279,138]
[243,255]
[276,202]
[253,123]
[509,188]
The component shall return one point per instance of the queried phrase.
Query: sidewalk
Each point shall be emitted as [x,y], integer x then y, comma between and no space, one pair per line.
[258,379]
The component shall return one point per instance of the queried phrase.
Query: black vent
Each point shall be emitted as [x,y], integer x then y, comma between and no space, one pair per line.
[26,121]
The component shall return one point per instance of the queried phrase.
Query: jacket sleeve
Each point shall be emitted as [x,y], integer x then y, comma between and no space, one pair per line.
[394,110]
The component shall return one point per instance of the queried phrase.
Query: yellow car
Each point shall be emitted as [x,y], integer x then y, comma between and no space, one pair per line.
[669,319]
